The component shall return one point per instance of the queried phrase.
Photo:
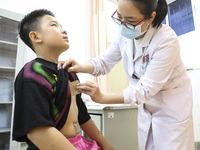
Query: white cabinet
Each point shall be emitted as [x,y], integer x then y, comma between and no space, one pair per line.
[117,123]
[10,47]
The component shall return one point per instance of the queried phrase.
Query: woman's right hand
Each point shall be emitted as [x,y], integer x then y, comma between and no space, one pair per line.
[75,67]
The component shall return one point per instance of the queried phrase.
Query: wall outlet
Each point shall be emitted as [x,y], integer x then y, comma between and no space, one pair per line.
[110,114]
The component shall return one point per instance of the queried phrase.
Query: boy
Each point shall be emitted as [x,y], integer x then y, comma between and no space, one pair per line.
[48,108]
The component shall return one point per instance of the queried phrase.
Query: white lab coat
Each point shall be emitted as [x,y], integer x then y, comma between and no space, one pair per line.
[161,88]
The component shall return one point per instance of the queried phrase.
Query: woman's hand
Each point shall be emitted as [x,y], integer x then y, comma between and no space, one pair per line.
[75,67]
[91,89]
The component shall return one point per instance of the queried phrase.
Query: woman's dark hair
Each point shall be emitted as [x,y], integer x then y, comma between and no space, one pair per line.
[146,8]
[31,22]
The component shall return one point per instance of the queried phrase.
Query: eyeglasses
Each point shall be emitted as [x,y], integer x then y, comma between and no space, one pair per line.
[127,25]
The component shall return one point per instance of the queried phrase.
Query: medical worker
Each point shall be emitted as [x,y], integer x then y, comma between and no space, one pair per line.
[159,83]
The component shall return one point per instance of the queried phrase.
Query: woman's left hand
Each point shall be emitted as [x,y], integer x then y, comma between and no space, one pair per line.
[91,89]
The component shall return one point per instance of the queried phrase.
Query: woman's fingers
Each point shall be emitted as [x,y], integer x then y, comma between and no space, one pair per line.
[91,89]
[65,63]
[87,86]
[60,63]
[73,69]
[84,87]
[70,62]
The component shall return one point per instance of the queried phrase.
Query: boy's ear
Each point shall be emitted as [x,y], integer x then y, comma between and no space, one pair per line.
[35,37]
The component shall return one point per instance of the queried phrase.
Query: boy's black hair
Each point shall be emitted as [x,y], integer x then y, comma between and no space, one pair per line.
[31,22]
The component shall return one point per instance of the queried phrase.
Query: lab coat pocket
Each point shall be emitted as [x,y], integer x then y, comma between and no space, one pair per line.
[176,103]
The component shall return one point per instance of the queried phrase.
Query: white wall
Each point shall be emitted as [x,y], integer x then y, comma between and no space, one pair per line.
[112,27]
[70,13]
[189,42]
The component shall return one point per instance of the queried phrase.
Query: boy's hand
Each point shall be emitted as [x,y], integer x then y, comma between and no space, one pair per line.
[91,89]
[75,67]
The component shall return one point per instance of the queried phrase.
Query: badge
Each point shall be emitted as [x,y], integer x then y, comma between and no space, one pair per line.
[145,59]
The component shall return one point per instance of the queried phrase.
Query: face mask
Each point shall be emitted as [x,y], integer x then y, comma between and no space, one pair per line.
[131,34]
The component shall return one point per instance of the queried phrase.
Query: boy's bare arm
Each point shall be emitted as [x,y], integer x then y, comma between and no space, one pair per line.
[93,132]
[49,138]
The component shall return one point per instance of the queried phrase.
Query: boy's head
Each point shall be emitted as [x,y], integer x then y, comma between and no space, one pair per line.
[41,28]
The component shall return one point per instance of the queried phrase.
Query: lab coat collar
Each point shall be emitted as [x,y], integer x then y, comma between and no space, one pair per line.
[148,36]
[129,48]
